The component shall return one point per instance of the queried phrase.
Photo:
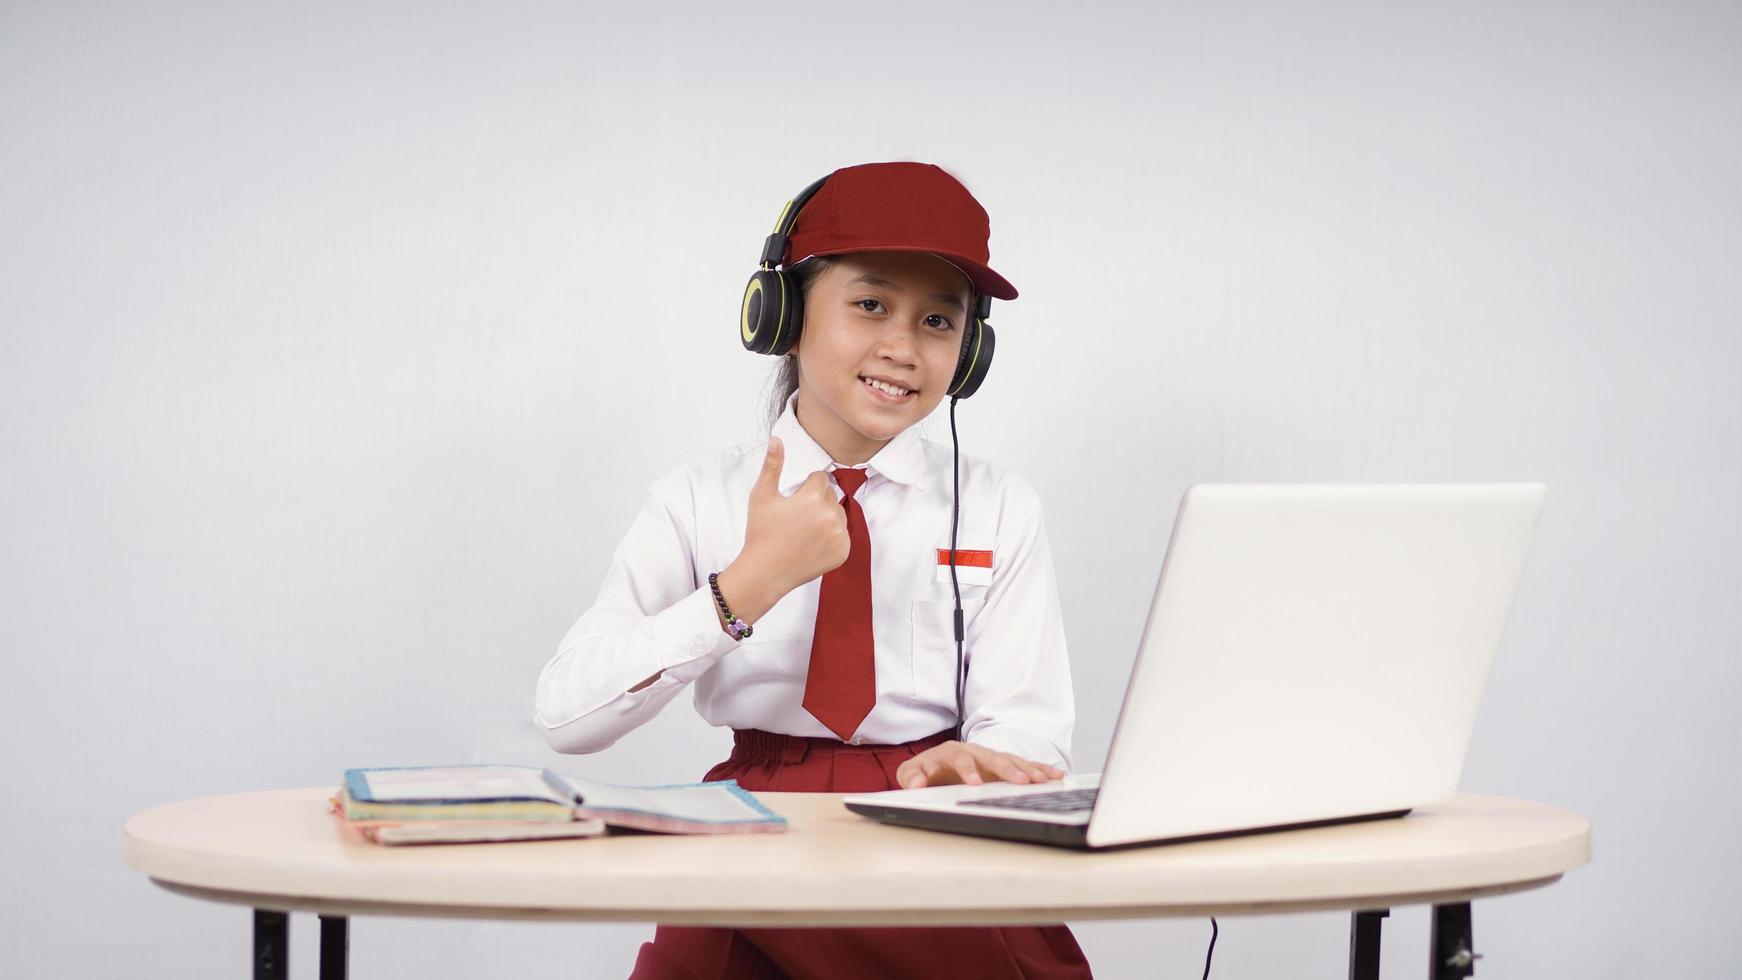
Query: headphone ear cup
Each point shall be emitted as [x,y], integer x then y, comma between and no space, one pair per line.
[772,312]
[792,314]
[975,360]
[758,315]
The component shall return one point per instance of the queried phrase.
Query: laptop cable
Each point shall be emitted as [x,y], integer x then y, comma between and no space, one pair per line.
[1212,950]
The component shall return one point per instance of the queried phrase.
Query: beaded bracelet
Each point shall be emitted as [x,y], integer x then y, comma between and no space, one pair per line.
[737,627]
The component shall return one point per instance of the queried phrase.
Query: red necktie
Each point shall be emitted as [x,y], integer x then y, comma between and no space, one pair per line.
[841,685]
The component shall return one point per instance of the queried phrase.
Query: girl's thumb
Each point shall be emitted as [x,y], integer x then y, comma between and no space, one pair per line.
[770,475]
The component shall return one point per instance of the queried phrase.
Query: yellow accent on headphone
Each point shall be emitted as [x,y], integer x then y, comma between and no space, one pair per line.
[744,312]
[973,360]
[778,222]
[780,324]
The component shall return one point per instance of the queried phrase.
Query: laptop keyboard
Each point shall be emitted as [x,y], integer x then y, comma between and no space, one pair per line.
[1057,801]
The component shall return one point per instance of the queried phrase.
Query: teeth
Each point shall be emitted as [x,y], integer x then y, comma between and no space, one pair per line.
[891,389]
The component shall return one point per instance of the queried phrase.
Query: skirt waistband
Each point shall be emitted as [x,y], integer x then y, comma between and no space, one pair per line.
[752,745]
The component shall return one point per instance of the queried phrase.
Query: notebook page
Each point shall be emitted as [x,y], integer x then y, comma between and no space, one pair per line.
[699,802]
[460,783]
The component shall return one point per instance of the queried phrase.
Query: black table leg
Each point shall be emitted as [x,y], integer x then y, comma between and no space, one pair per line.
[271,945]
[335,946]
[1364,944]
[1451,951]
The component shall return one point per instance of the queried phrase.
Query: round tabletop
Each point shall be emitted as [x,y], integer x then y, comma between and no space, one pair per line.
[283,850]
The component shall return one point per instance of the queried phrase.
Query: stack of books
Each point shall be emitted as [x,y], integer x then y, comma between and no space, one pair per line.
[460,804]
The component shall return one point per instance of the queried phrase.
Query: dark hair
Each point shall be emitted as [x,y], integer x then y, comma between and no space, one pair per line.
[785,380]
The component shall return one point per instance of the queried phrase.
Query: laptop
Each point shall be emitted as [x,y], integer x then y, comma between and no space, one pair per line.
[1314,654]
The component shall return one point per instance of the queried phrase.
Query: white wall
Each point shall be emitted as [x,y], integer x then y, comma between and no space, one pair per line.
[340,345]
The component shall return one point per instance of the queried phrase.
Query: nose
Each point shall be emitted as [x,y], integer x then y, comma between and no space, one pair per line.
[897,344]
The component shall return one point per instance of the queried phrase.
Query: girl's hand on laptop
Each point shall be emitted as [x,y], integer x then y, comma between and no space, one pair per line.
[965,762]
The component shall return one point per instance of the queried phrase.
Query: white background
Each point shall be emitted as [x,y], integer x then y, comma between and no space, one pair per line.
[342,341]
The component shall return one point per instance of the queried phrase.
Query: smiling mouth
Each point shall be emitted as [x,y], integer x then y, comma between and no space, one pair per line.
[883,392]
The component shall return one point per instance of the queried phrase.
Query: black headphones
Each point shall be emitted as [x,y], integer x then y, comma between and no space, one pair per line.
[772,315]
[770,320]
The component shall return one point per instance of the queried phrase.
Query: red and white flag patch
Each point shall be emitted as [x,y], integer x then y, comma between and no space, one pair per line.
[972,567]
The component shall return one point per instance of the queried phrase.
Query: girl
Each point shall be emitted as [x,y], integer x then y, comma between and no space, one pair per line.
[806,587]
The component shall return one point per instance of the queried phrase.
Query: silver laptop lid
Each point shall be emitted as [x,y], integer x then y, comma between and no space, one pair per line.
[1313,651]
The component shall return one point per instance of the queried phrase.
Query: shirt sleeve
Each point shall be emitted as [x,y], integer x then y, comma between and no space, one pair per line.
[1018,696]
[650,616]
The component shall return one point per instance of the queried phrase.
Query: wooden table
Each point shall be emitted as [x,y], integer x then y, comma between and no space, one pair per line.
[280,851]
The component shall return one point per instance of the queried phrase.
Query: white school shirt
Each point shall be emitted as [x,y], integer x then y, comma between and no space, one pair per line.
[656,612]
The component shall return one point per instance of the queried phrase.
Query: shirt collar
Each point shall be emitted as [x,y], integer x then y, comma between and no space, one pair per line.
[902,459]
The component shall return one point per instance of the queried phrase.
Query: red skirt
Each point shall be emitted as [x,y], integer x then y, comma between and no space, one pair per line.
[786,763]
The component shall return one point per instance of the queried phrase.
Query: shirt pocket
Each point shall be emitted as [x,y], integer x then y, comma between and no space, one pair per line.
[934,648]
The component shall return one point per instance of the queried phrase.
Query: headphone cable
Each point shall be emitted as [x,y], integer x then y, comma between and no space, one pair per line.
[955,519]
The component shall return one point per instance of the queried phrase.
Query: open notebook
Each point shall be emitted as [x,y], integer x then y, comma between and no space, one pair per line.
[447,804]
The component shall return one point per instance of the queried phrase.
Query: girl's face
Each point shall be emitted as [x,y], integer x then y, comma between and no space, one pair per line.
[894,316]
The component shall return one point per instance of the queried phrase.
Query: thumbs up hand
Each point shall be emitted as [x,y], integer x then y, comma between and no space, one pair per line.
[787,540]
[797,538]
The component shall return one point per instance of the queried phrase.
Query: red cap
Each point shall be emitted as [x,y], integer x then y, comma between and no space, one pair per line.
[898,207]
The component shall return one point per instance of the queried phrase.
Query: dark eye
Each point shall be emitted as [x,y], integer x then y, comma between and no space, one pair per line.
[861,304]
[945,325]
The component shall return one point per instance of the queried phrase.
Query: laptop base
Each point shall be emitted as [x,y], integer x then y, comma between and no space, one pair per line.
[1067,835]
